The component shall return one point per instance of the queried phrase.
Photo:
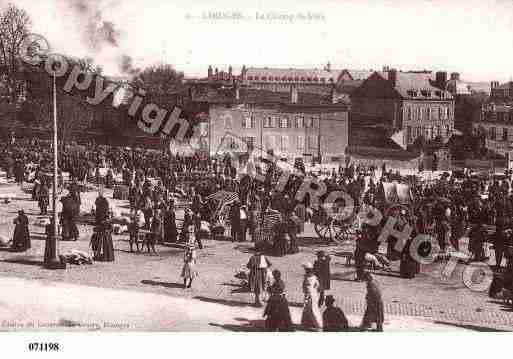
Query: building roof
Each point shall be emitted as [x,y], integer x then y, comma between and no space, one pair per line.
[299,75]
[358,75]
[506,85]
[458,87]
[421,83]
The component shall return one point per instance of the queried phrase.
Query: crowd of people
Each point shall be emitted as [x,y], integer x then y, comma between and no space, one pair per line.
[155,182]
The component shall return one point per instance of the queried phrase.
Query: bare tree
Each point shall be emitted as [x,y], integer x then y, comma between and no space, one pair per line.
[14,26]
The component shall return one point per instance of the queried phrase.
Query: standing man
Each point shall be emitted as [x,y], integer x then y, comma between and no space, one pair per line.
[374,312]
[322,271]
[258,265]
[43,198]
[235,221]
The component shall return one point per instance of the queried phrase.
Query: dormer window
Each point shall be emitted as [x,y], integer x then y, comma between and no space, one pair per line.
[256,78]
[250,78]
[264,78]
[315,79]
[412,93]
[309,79]
[303,79]
[290,79]
[276,78]
[284,78]
[426,93]
[323,79]
[296,79]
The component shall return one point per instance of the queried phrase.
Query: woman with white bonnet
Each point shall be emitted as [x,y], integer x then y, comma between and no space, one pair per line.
[311,318]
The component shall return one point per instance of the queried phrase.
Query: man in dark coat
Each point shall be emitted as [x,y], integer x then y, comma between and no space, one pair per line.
[322,271]
[102,209]
[333,318]
[374,312]
[235,220]
[43,199]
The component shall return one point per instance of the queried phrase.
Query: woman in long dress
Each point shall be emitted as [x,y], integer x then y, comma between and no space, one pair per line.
[374,312]
[189,271]
[311,318]
[277,311]
[21,237]
[170,230]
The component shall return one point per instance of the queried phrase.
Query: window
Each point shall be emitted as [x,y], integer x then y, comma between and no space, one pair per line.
[445,113]
[301,121]
[308,122]
[250,78]
[408,134]
[504,134]
[408,114]
[267,121]
[421,114]
[284,123]
[447,130]
[300,142]
[315,121]
[247,120]
[312,142]
[435,113]
[491,133]
[428,113]
[284,143]
[426,93]
[250,142]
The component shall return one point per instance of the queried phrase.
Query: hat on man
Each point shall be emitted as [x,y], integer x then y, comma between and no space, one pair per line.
[329,299]
[308,265]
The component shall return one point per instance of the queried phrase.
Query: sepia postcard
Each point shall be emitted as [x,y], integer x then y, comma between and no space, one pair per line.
[302,166]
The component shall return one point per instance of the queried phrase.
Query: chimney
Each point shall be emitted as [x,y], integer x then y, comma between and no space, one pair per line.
[386,68]
[209,71]
[392,77]
[441,79]
[293,94]
[230,71]
[328,67]
[493,84]
[455,76]
[217,73]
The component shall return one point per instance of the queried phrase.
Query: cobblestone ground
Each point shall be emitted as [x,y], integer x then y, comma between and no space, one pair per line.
[443,300]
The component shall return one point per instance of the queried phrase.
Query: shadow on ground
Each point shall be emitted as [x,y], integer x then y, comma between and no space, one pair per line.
[477,328]
[162,284]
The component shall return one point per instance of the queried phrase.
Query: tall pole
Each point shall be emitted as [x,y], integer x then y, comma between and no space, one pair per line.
[55,172]
[51,259]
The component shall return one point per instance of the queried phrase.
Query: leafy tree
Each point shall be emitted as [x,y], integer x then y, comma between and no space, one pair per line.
[161,82]
[14,26]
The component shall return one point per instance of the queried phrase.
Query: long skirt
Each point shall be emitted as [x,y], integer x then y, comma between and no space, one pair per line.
[103,247]
[278,314]
[189,271]
[311,317]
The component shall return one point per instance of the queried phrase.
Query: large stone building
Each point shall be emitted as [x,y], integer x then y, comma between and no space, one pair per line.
[504,91]
[291,131]
[497,125]
[415,103]
[335,84]
[293,123]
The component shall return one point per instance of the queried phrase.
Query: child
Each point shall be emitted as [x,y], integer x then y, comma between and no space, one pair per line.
[189,267]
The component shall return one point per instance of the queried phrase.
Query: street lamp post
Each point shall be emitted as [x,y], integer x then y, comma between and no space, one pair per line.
[51,258]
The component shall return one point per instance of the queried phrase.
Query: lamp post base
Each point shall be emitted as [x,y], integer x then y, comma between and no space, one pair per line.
[51,261]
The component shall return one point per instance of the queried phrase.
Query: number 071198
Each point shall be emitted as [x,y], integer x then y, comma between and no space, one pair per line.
[43,347]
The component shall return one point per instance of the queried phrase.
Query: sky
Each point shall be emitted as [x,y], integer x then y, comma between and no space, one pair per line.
[471,37]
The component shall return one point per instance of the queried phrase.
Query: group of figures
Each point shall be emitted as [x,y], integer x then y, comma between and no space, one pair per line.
[264,282]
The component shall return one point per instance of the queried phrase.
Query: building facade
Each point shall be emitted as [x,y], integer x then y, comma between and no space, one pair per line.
[415,103]
[497,125]
[289,131]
